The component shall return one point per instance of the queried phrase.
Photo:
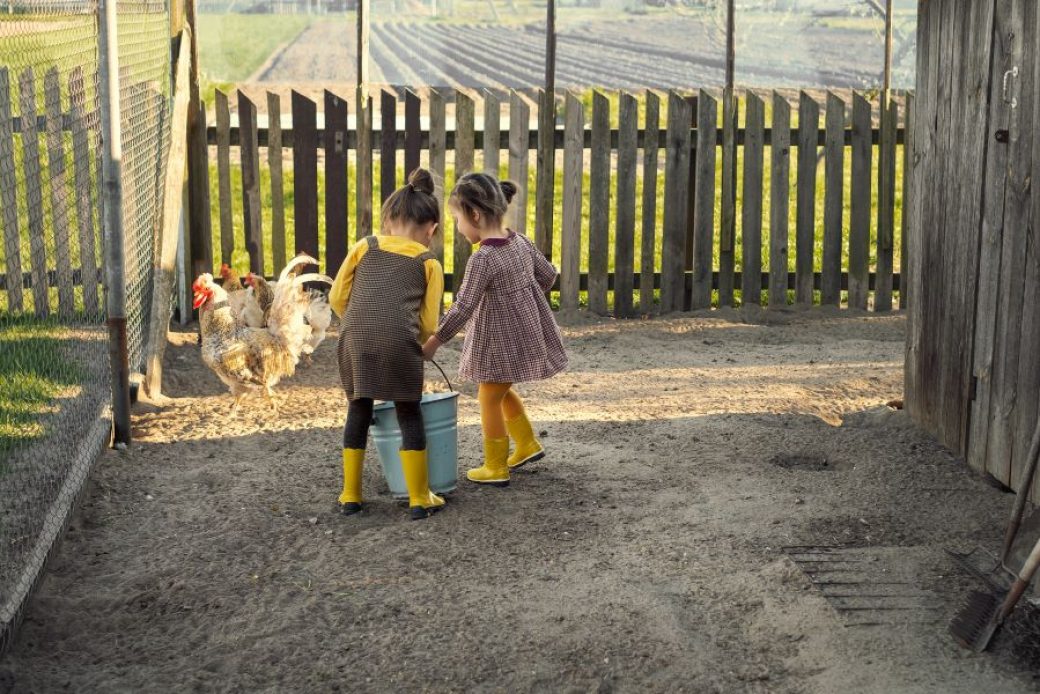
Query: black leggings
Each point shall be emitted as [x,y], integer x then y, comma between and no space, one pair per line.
[409,417]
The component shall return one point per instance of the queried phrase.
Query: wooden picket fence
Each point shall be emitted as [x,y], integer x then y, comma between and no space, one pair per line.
[687,144]
[50,222]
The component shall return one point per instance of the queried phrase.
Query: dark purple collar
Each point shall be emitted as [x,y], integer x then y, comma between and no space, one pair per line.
[499,241]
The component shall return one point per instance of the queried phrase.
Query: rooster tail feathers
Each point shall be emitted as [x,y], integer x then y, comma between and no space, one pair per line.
[293,266]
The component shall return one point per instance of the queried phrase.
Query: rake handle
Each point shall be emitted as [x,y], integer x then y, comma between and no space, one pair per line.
[1022,493]
[1023,580]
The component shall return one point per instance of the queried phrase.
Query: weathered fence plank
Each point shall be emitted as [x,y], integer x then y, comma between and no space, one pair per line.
[412,132]
[833,205]
[805,228]
[886,208]
[908,165]
[198,237]
[649,228]
[82,164]
[751,220]
[519,136]
[364,172]
[9,200]
[59,187]
[691,209]
[305,174]
[438,156]
[704,203]
[728,230]
[34,193]
[387,144]
[492,133]
[573,164]
[251,202]
[624,235]
[780,201]
[545,172]
[336,183]
[274,162]
[676,193]
[859,221]
[599,204]
[227,229]
[464,144]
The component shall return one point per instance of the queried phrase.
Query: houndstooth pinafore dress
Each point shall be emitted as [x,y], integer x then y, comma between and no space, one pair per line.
[379,352]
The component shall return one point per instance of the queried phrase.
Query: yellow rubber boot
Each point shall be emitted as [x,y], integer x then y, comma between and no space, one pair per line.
[350,498]
[421,501]
[528,449]
[495,470]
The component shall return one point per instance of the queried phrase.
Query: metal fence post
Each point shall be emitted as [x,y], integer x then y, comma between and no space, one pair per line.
[112,206]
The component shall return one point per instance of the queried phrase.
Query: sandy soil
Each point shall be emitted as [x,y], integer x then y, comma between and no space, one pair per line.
[647,553]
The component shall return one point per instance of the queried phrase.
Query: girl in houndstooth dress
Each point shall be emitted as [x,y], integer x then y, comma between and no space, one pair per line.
[388,294]
[512,336]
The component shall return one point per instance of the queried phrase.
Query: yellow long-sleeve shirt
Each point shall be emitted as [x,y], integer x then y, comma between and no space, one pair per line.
[429,312]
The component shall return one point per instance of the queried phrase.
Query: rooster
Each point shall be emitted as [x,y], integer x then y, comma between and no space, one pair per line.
[248,359]
[318,315]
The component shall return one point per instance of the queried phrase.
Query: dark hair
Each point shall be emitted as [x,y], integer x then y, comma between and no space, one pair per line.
[478,192]
[413,202]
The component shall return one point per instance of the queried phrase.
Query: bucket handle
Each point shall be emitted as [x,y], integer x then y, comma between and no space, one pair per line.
[450,388]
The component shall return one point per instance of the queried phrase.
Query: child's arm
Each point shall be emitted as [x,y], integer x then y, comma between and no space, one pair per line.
[544,272]
[430,310]
[339,295]
[474,284]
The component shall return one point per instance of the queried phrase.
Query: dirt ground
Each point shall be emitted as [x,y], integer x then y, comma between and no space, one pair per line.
[651,550]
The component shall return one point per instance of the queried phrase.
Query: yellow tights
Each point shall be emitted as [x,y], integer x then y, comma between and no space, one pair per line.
[498,403]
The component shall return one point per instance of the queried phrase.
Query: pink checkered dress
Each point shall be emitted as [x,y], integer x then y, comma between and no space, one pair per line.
[512,336]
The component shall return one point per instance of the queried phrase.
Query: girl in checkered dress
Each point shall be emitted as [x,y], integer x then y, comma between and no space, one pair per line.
[388,296]
[512,336]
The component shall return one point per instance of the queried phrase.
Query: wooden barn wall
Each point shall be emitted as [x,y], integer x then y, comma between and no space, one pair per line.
[973,345]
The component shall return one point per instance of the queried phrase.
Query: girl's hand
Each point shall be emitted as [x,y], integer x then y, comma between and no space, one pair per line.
[430,348]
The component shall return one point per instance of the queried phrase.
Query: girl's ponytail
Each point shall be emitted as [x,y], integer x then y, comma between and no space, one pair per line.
[414,202]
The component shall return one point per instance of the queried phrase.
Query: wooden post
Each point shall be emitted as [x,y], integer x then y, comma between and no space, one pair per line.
[173,207]
[387,145]
[365,174]
[859,228]
[492,133]
[438,149]
[85,210]
[651,144]
[886,207]
[754,150]
[227,228]
[676,177]
[464,144]
[545,170]
[198,241]
[59,186]
[908,196]
[274,162]
[573,164]
[249,149]
[412,132]
[34,194]
[728,230]
[780,164]
[9,200]
[519,141]
[805,229]
[305,173]
[599,204]
[704,204]
[834,196]
[336,184]
[624,236]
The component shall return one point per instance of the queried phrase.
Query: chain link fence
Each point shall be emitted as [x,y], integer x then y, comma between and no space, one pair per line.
[54,368]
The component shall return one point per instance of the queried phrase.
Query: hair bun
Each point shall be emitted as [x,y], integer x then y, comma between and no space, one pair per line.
[421,181]
[509,189]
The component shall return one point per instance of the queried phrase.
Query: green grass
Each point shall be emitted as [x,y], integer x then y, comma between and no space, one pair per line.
[233,46]
[34,372]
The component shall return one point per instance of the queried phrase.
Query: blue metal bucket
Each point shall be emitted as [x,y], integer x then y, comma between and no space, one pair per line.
[440,418]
